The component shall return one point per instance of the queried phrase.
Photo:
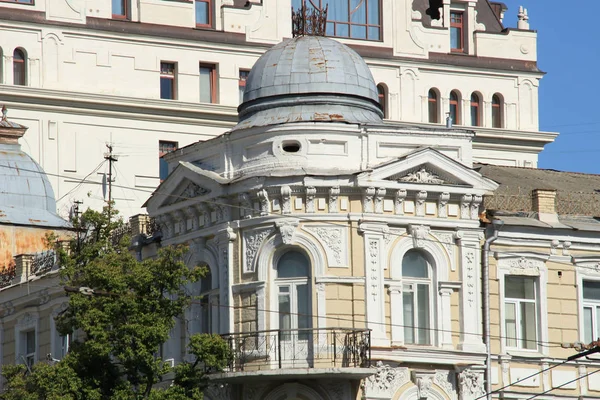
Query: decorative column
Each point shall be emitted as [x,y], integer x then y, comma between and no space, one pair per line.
[470,304]
[374,291]
[224,240]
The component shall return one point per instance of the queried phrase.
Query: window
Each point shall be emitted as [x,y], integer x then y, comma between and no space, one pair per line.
[207,300]
[19,68]
[382,95]
[416,298]
[591,311]
[208,83]
[356,19]
[18,1]
[168,83]
[432,100]
[520,315]
[164,147]
[475,110]
[293,296]
[455,107]
[120,9]
[29,353]
[242,83]
[203,13]
[456,31]
[496,111]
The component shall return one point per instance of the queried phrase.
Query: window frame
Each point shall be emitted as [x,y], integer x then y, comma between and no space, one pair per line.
[27,323]
[382,96]
[210,23]
[436,106]
[348,22]
[428,283]
[22,63]
[475,106]
[460,26]
[209,299]
[171,76]
[161,153]
[214,98]
[497,107]
[595,306]
[517,303]
[456,103]
[127,10]
[242,82]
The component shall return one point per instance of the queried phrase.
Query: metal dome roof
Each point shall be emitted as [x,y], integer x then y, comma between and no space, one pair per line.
[309,78]
[26,195]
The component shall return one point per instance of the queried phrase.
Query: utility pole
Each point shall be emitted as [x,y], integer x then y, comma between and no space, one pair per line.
[111,158]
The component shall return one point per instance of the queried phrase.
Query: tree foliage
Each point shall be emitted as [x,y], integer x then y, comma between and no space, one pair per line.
[120,328]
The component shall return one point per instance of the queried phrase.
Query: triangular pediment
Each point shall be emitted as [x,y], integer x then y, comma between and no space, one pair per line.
[426,167]
[186,184]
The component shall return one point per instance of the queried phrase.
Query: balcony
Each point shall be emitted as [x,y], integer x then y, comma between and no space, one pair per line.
[308,352]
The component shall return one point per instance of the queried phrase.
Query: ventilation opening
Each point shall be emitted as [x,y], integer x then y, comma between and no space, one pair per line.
[291,147]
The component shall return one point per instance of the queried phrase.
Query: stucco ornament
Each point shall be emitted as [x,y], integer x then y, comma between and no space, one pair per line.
[447,382]
[442,201]
[245,205]
[368,199]
[422,175]
[334,193]
[379,195]
[420,198]
[524,266]
[333,240]
[286,195]
[419,235]
[287,230]
[399,201]
[470,384]
[311,191]
[424,381]
[252,242]
[263,198]
[465,206]
[385,381]
[475,202]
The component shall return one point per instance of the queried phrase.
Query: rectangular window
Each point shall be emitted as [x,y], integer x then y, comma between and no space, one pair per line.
[456,31]
[415,299]
[520,312]
[242,83]
[591,311]
[18,1]
[208,83]
[355,19]
[30,347]
[164,147]
[168,83]
[120,9]
[203,13]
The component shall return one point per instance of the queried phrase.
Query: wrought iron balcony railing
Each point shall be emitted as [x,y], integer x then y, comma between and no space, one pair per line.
[300,348]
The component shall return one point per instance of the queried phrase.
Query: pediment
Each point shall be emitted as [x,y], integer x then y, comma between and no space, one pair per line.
[186,184]
[426,167]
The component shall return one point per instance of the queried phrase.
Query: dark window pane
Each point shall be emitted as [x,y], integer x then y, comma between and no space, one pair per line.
[474,115]
[292,264]
[433,107]
[206,84]
[591,290]
[202,13]
[414,265]
[455,38]
[166,88]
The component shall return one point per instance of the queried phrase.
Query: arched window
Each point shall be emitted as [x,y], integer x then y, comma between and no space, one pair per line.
[293,295]
[19,67]
[432,100]
[205,303]
[496,111]
[475,110]
[382,95]
[455,107]
[416,298]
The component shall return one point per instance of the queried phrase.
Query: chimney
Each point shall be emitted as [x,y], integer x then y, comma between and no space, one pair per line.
[22,268]
[544,203]
[139,224]
[523,19]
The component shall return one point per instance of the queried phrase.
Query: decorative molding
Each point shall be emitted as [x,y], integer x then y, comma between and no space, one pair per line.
[424,381]
[252,241]
[475,202]
[465,206]
[373,261]
[471,385]
[385,381]
[442,202]
[286,195]
[287,229]
[7,309]
[446,380]
[334,193]
[379,195]
[447,240]
[554,246]
[566,247]
[470,276]
[399,201]
[521,265]
[311,191]
[43,297]
[246,209]
[189,192]
[420,203]
[335,241]
[422,175]
[419,234]
[368,194]
[336,389]
[263,198]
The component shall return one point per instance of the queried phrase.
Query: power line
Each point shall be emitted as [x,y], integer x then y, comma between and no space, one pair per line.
[82,180]
[564,384]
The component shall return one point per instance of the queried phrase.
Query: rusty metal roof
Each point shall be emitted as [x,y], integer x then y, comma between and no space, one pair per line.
[309,78]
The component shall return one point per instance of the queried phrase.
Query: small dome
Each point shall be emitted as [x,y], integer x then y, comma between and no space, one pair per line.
[26,195]
[309,78]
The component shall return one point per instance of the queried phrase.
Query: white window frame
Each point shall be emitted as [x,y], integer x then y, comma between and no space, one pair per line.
[586,269]
[57,350]
[414,282]
[516,302]
[527,265]
[291,283]
[29,322]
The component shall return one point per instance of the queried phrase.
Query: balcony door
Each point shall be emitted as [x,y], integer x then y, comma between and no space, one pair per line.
[294,309]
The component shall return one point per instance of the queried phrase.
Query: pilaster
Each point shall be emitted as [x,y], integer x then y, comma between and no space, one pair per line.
[225,245]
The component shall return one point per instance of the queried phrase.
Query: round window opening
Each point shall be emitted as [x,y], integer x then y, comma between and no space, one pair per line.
[291,147]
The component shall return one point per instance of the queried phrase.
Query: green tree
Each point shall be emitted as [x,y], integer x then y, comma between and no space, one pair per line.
[121,325]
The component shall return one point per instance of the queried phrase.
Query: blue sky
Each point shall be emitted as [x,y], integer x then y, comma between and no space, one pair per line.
[568,52]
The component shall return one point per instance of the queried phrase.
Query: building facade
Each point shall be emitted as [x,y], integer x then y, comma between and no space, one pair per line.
[154,75]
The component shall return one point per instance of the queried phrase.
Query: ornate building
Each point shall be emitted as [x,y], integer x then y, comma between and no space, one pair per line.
[336,272]
[151,76]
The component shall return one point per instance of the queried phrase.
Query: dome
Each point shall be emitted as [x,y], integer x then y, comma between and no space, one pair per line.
[309,78]
[26,195]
